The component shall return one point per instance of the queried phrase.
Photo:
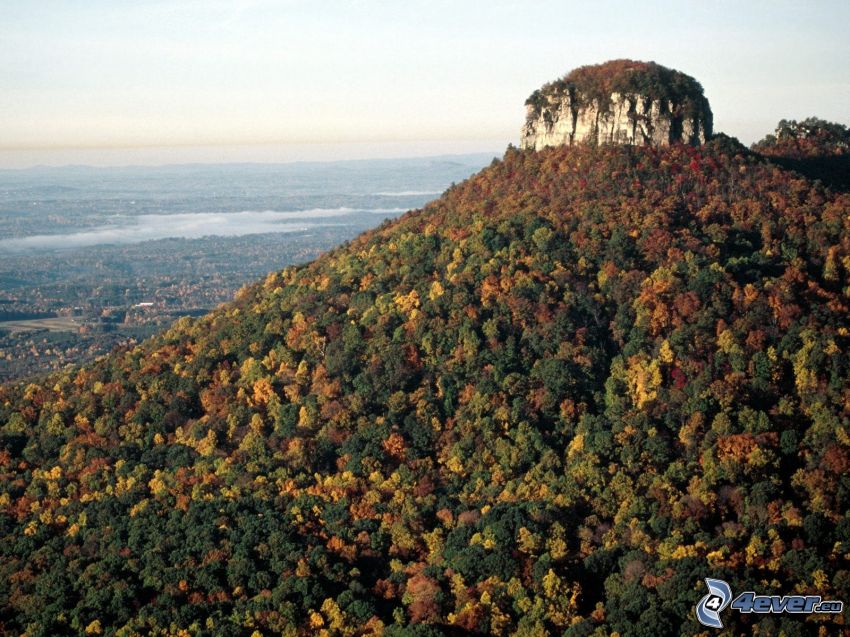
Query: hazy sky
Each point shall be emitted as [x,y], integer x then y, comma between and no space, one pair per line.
[135,81]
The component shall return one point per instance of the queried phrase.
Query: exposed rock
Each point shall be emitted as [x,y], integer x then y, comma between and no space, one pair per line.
[619,102]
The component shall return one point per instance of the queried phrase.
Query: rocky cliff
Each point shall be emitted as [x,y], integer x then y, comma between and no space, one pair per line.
[619,102]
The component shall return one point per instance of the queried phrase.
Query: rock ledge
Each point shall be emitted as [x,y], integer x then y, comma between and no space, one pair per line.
[618,102]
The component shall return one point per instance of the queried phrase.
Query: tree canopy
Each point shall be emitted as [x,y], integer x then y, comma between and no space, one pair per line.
[550,402]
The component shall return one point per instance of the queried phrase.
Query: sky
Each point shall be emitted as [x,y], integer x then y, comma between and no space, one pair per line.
[171,81]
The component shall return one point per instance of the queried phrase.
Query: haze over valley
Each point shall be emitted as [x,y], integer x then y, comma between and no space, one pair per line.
[94,257]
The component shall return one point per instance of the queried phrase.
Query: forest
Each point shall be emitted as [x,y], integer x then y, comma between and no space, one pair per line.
[550,402]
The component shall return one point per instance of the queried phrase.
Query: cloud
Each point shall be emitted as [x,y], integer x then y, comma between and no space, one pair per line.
[127,229]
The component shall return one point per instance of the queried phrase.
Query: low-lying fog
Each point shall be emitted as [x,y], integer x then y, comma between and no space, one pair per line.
[123,229]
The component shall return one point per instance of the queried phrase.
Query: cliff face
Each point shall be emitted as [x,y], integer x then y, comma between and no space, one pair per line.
[620,102]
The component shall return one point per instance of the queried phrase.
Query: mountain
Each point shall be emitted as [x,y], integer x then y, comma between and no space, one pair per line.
[551,402]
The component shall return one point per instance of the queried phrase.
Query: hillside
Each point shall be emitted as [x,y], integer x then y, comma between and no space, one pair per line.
[812,147]
[551,402]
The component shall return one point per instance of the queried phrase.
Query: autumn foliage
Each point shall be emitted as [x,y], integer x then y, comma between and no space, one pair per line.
[549,403]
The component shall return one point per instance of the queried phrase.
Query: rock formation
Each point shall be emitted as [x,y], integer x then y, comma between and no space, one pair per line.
[619,102]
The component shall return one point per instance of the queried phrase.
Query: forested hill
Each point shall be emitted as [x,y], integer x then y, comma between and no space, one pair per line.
[551,402]
[813,147]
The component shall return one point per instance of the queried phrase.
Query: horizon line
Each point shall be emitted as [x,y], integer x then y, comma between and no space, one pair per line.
[243,153]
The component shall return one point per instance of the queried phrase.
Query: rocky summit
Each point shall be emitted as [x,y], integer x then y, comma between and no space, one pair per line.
[618,102]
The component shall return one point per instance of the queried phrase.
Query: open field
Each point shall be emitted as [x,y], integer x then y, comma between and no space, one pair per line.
[56,324]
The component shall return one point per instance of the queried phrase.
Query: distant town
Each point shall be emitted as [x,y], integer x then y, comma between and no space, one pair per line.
[95,258]
[68,308]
